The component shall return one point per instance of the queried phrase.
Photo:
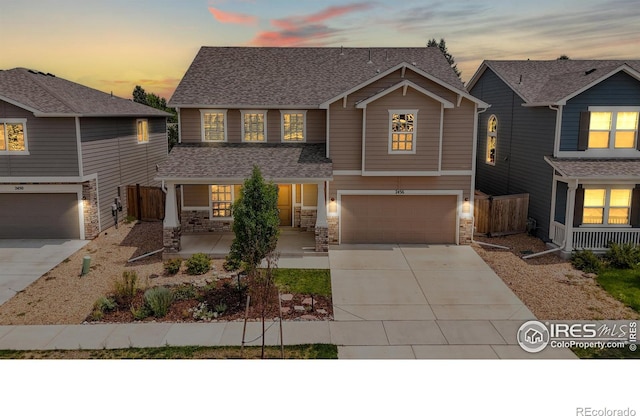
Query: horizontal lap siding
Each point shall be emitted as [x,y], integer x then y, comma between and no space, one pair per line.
[190,129]
[619,90]
[51,143]
[457,143]
[436,183]
[195,196]
[122,161]
[427,137]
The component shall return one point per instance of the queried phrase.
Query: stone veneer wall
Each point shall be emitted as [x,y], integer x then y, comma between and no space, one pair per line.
[171,240]
[466,231]
[322,239]
[90,209]
[308,219]
[199,222]
[333,229]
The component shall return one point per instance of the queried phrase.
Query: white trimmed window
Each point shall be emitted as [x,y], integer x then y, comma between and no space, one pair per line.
[610,206]
[214,125]
[142,127]
[254,126]
[492,140]
[402,131]
[613,128]
[13,136]
[221,199]
[294,126]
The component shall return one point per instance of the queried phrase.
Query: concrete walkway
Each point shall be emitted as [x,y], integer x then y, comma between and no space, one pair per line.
[390,302]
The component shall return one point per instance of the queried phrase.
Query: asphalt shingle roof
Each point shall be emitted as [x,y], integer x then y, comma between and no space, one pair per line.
[551,81]
[48,94]
[273,77]
[596,168]
[236,161]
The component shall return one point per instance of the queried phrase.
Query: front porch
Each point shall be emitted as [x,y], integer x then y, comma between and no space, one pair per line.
[292,243]
[594,239]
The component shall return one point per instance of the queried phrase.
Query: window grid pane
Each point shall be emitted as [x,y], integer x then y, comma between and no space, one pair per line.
[15,136]
[254,127]
[402,132]
[143,131]
[221,200]
[293,126]
[3,144]
[213,127]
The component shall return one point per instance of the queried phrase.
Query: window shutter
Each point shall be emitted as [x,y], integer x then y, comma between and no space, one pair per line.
[583,135]
[634,218]
[579,206]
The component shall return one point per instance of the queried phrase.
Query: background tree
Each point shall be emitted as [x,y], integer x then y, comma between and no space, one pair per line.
[256,223]
[155,101]
[443,48]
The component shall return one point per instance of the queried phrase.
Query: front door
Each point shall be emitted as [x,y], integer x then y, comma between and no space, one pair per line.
[284,205]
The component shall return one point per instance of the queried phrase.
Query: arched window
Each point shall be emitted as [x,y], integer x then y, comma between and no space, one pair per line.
[492,140]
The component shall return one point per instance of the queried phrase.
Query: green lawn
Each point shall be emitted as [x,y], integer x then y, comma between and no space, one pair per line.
[622,284]
[301,352]
[304,281]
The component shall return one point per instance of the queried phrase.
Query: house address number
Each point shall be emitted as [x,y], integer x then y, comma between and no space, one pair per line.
[399,191]
[19,188]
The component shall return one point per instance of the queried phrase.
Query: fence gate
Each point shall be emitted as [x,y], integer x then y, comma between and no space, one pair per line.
[146,203]
[501,215]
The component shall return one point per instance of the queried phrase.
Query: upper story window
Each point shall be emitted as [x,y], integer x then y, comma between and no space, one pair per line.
[294,126]
[214,125]
[492,139]
[13,136]
[402,131]
[143,130]
[254,126]
[606,206]
[615,129]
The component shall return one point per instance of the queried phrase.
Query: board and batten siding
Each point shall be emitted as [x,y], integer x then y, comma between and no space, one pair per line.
[525,136]
[51,142]
[191,127]
[120,161]
[619,90]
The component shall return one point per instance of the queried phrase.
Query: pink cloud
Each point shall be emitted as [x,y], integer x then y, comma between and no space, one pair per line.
[305,30]
[236,18]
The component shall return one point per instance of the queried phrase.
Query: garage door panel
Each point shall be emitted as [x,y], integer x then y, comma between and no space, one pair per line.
[398,219]
[39,216]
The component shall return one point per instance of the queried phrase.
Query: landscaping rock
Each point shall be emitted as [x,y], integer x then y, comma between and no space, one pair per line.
[322,311]
[299,308]
[285,310]
[307,301]
[286,297]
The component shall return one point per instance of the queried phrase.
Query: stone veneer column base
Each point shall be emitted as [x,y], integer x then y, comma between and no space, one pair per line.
[322,239]
[466,231]
[90,209]
[171,239]
[333,229]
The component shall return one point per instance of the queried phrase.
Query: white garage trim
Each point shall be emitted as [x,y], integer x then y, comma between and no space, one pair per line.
[50,189]
[400,193]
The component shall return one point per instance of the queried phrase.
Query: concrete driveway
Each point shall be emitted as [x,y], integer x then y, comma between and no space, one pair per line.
[418,301]
[24,261]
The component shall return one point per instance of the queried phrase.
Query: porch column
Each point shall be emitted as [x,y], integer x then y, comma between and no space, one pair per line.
[171,225]
[322,227]
[568,221]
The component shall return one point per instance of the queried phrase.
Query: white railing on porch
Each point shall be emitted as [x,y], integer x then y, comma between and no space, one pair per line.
[558,232]
[599,238]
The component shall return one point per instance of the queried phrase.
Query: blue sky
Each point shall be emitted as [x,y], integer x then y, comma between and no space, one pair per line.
[117,44]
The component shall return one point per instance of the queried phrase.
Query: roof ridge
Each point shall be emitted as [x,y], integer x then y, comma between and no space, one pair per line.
[51,91]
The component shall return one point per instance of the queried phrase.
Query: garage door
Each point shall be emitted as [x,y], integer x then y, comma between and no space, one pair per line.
[398,219]
[39,216]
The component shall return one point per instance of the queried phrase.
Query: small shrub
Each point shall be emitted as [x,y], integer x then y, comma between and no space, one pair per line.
[129,219]
[126,288]
[172,266]
[158,299]
[140,313]
[220,308]
[184,292]
[104,304]
[199,263]
[623,256]
[586,260]
[202,312]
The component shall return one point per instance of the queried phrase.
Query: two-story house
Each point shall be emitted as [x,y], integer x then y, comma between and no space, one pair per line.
[66,153]
[566,132]
[367,145]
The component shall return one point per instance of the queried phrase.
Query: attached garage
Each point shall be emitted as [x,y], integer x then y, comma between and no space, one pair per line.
[39,215]
[411,219]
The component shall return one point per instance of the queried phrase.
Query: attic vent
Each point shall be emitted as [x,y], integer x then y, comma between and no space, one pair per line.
[591,71]
[49,74]
[341,50]
[370,61]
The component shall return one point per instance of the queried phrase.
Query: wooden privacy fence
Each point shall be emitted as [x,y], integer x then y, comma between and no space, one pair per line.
[501,215]
[146,203]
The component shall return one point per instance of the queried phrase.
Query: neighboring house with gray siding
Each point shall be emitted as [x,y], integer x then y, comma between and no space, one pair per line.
[566,132]
[367,145]
[67,152]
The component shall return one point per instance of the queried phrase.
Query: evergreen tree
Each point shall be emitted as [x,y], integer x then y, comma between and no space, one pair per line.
[443,48]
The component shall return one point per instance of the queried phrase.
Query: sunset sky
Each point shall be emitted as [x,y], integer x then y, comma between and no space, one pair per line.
[115,45]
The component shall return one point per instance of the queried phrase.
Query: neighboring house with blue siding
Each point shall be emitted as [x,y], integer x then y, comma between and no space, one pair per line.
[67,153]
[566,132]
